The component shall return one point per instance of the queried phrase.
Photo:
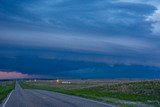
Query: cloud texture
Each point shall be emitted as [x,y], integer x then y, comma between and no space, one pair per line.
[102,31]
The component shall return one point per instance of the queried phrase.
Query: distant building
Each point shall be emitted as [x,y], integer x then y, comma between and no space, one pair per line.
[62,82]
[66,82]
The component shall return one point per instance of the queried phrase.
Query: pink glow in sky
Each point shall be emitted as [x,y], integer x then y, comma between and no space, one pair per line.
[13,75]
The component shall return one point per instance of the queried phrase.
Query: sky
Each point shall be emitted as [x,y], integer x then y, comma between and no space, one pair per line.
[80,38]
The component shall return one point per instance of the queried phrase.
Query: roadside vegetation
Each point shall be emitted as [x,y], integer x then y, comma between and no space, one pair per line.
[121,93]
[5,88]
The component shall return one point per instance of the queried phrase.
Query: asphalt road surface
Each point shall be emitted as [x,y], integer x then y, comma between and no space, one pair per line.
[40,98]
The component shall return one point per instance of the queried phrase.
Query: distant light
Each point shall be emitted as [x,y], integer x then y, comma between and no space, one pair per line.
[57,81]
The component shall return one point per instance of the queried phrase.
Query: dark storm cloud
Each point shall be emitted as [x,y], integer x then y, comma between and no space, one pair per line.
[111,32]
[89,16]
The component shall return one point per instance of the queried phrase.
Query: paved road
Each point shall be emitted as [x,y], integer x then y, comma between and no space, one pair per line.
[39,98]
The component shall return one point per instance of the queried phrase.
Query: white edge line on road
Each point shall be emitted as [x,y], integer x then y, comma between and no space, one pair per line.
[82,98]
[7,99]
[91,100]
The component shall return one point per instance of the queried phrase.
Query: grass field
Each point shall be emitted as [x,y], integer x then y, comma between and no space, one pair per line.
[5,88]
[122,93]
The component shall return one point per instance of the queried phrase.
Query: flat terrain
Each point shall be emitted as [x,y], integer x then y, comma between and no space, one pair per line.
[128,93]
[41,98]
[5,88]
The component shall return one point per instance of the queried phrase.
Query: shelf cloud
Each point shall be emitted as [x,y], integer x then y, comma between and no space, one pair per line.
[101,31]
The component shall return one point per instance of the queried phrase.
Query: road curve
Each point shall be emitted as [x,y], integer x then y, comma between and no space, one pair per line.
[40,98]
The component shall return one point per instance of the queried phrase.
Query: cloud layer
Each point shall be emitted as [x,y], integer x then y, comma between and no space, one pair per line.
[111,32]
[13,75]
